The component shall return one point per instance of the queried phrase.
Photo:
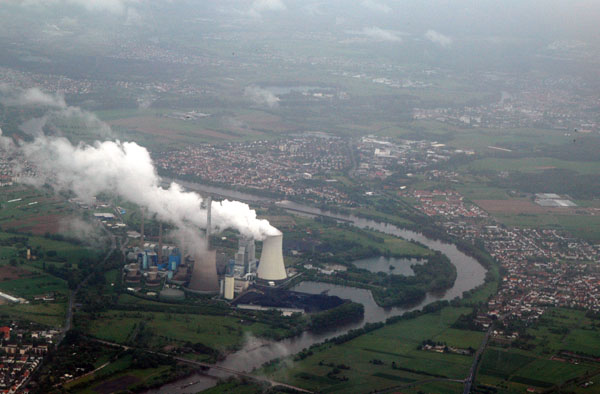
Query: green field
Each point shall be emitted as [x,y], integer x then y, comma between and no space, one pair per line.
[157,128]
[551,371]
[579,389]
[59,250]
[220,332]
[565,329]
[118,376]
[36,211]
[396,343]
[533,164]
[435,387]
[36,285]
[481,191]
[557,330]
[512,368]
[502,364]
[515,139]
[50,314]
[584,227]
[332,234]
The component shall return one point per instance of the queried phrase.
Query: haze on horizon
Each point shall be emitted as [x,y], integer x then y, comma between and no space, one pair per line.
[438,33]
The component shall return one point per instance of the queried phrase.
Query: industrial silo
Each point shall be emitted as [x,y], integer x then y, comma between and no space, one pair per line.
[229,287]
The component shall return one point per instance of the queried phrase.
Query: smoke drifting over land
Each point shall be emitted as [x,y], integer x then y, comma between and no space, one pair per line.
[126,169]
[32,97]
[261,96]
[90,232]
[58,111]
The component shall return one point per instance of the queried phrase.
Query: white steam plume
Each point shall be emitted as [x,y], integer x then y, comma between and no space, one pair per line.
[90,232]
[126,169]
[261,96]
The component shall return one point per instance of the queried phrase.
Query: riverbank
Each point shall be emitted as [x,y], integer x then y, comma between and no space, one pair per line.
[470,275]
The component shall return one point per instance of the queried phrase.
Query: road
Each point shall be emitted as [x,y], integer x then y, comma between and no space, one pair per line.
[73,293]
[205,365]
[471,377]
[468,382]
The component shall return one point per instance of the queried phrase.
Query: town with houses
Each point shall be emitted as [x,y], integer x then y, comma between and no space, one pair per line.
[446,203]
[23,349]
[550,105]
[349,123]
[275,167]
[539,269]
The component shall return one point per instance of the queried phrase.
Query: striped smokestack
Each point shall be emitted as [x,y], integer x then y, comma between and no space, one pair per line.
[160,244]
[142,230]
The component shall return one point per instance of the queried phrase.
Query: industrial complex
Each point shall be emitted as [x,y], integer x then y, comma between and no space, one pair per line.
[170,271]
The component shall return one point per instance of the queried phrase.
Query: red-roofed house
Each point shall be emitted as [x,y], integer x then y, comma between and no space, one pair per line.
[6,332]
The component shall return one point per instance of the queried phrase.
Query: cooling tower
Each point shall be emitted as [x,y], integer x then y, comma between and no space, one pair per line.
[204,275]
[271,265]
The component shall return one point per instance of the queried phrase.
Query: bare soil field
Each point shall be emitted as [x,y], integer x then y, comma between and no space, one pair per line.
[265,122]
[38,225]
[281,221]
[8,272]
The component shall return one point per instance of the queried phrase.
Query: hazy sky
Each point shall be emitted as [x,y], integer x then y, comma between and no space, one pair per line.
[449,33]
[551,19]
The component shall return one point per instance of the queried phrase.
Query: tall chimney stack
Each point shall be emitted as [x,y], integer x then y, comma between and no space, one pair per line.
[182,245]
[208,219]
[160,244]
[142,230]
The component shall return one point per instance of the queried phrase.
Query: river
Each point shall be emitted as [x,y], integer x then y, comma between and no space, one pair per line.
[256,352]
[390,265]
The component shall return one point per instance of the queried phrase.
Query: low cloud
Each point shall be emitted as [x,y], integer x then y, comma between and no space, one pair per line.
[133,17]
[260,6]
[376,6]
[438,38]
[33,97]
[58,111]
[117,7]
[379,34]
[566,45]
[261,96]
